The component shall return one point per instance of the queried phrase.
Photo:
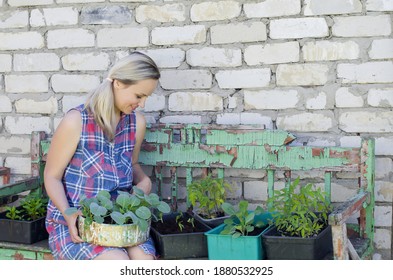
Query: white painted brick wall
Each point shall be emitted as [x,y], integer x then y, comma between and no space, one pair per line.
[383,191]
[19,165]
[167,58]
[272,53]
[30,106]
[298,28]
[317,102]
[86,61]
[123,37]
[272,8]
[195,101]
[245,118]
[71,101]
[270,99]
[362,26]
[379,5]
[36,62]
[186,79]
[380,97]
[5,62]
[246,78]
[74,83]
[14,19]
[26,125]
[384,146]
[366,121]
[326,50]
[302,74]
[209,11]
[316,122]
[345,98]
[165,13]
[383,168]
[381,48]
[5,104]
[21,41]
[19,3]
[26,83]
[15,145]
[366,73]
[54,17]
[181,119]
[240,33]
[383,238]
[177,35]
[214,57]
[70,38]
[155,103]
[331,7]
[383,216]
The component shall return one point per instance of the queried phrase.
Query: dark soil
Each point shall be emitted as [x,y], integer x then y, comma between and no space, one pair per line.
[170,226]
[256,231]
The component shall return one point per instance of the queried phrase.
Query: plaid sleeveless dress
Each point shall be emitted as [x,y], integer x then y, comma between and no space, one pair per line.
[96,165]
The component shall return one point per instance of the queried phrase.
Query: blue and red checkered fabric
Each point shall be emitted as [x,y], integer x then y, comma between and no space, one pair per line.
[96,165]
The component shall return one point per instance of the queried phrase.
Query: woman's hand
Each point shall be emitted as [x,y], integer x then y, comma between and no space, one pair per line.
[145,185]
[71,222]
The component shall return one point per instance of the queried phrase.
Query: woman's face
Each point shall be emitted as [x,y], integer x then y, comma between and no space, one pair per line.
[129,97]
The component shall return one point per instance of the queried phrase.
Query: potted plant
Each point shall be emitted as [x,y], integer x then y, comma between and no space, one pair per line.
[207,195]
[300,229]
[25,223]
[179,236]
[240,237]
[120,221]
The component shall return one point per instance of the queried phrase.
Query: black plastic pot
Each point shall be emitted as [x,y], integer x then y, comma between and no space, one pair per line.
[214,222]
[180,245]
[26,232]
[279,247]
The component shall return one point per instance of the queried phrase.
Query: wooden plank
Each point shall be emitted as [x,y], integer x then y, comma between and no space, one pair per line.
[20,186]
[347,209]
[340,240]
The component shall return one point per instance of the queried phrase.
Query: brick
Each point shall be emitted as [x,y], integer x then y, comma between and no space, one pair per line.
[30,106]
[270,99]
[74,83]
[383,168]
[15,145]
[366,121]
[167,58]
[5,62]
[255,190]
[293,28]
[350,141]
[184,119]
[164,13]
[245,78]
[5,104]
[211,11]
[86,61]
[106,15]
[19,165]
[345,98]
[366,73]
[14,19]
[26,83]
[326,50]
[383,216]
[272,53]
[383,239]
[332,7]
[362,26]
[154,103]
[71,101]
[20,3]
[379,5]
[81,1]
[317,121]
[272,8]
[36,62]
[21,41]
[381,49]
[341,193]
[54,17]
[317,102]
[380,97]
[178,35]
[195,101]
[240,33]
[123,37]
[245,118]
[302,74]
[383,191]
[186,79]
[383,146]
[26,125]
[214,57]
[70,38]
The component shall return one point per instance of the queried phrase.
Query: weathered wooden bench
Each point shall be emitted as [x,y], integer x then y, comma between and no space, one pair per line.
[176,154]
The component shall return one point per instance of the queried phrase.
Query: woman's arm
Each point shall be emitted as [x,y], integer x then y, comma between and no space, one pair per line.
[62,148]
[141,180]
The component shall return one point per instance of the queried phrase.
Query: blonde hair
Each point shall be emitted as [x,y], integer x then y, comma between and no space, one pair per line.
[128,70]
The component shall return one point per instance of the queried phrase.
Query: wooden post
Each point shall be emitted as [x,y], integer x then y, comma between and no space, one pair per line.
[340,240]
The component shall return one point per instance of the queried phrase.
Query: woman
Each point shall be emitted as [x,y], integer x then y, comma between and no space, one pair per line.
[95,147]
